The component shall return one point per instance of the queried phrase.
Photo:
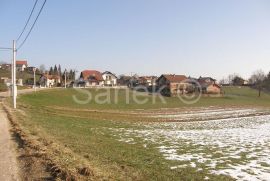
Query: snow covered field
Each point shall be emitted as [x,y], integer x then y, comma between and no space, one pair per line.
[238,147]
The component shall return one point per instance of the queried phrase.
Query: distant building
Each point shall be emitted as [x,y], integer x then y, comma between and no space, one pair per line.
[109,78]
[124,80]
[148,80]
[19,82]
[5,66]
[31,69]
[21,65]
[171,84]
[209,85]
[91,78]
[246,82]
[5,80]
[129,81]
[47,80]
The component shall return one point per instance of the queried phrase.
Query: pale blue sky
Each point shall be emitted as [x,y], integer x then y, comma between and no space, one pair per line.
[202,37]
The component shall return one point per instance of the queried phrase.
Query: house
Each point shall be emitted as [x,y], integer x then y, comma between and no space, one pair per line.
[209,85]
[31,69]
[5,66]
[129,81]
[195,83]
[209,80]
[21,65]
[5,80]
[109,78]
[212,89]
[19,82]
[123,80]
[246,82]
[91,78]
[171,84]
[147,80]
[47,80]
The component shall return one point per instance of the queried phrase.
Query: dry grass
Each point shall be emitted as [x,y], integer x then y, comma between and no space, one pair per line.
[43,158]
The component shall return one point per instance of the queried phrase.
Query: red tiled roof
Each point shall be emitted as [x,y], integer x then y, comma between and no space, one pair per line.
[21,62]
[174,78]
[93,73]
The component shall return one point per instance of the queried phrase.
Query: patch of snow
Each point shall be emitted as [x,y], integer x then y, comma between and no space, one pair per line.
[233,146]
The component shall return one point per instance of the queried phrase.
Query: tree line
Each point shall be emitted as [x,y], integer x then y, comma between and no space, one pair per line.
[57,70]
[258,80]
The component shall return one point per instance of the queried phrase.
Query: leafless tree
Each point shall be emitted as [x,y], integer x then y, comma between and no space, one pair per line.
[42,68]
[257,79]
[231,77]
[223,81]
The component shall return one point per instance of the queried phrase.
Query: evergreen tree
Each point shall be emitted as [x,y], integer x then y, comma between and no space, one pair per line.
[63,75]
[51,71]
[70,74]
[268,76]
[238,81]
[55,72]
[73,75]
[59,70]
[266,82]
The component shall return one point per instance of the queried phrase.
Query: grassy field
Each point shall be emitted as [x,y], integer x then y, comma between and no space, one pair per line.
[92,133]
[20,75]
[234,96]
[3,87]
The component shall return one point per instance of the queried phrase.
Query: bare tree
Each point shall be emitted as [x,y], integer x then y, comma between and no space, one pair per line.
[42,68]
[223,81]
[257,79]
[231,77]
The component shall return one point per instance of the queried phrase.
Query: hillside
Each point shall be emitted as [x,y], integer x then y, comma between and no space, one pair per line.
[157,134]
[20,75]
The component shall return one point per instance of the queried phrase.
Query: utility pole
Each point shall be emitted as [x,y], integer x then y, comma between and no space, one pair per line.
[65,78]
[75,71]
[14,87]
[11,70]
[34,70]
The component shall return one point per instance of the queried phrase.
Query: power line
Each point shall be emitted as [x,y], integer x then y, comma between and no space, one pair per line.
[27,20]
[32,25]
[5,48]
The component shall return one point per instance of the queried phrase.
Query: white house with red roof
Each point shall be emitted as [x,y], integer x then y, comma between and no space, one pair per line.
[21,65]
[91,78]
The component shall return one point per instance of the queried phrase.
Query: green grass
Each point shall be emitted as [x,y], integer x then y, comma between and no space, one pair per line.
[234,96]
[49,114]
[90,138]
[3,87]
[20,75]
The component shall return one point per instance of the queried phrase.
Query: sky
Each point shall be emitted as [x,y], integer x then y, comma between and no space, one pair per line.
[148,37]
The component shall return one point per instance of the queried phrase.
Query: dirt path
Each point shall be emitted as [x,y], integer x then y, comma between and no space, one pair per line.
[9,168]
[24,91]
[8,163]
